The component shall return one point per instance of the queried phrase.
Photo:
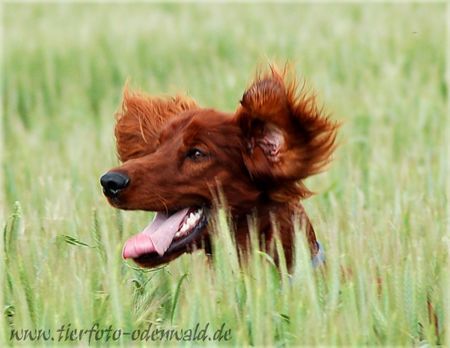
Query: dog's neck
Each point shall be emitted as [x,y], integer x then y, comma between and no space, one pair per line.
[275,218]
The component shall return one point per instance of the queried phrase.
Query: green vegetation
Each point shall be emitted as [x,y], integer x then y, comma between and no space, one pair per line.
[380,210]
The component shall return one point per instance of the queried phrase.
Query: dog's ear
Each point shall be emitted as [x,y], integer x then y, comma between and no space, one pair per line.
[140,120]
[287,137]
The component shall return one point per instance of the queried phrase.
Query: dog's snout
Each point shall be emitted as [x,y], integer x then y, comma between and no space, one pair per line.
[113,183]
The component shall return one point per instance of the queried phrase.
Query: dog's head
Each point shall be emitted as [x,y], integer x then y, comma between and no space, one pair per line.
[177,156]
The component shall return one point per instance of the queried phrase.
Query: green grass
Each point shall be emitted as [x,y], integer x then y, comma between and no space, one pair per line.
[380,209]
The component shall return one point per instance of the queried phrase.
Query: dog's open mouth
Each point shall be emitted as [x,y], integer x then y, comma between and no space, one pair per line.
[167,233]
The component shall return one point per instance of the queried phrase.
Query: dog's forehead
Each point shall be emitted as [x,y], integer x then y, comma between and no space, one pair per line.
[209,118]
[176,124]
[198,119]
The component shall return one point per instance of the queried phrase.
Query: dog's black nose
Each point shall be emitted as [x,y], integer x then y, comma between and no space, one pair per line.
[113,183]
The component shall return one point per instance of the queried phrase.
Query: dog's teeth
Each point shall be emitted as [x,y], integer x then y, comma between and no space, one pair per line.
[190,221]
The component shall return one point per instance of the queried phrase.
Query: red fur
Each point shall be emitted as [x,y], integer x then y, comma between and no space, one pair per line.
[258,156]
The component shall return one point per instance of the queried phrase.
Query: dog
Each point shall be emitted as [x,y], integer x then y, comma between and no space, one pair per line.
[176,156]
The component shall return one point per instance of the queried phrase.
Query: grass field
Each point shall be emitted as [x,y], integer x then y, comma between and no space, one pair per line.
[380,211]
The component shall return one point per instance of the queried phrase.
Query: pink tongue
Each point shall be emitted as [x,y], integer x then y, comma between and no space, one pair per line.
[157,236]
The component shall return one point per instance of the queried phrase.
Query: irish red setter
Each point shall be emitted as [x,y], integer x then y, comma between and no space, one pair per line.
[176,156]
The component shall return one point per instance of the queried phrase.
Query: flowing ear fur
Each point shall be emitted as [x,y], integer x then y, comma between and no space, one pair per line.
[140,120]
[288,137]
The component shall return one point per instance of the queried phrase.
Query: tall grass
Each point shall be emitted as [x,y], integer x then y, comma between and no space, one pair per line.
[381,208]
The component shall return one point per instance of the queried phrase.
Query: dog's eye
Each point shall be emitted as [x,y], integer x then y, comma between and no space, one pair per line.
[195,154]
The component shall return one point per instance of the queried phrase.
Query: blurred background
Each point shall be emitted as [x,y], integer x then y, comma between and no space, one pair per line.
[377,68]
